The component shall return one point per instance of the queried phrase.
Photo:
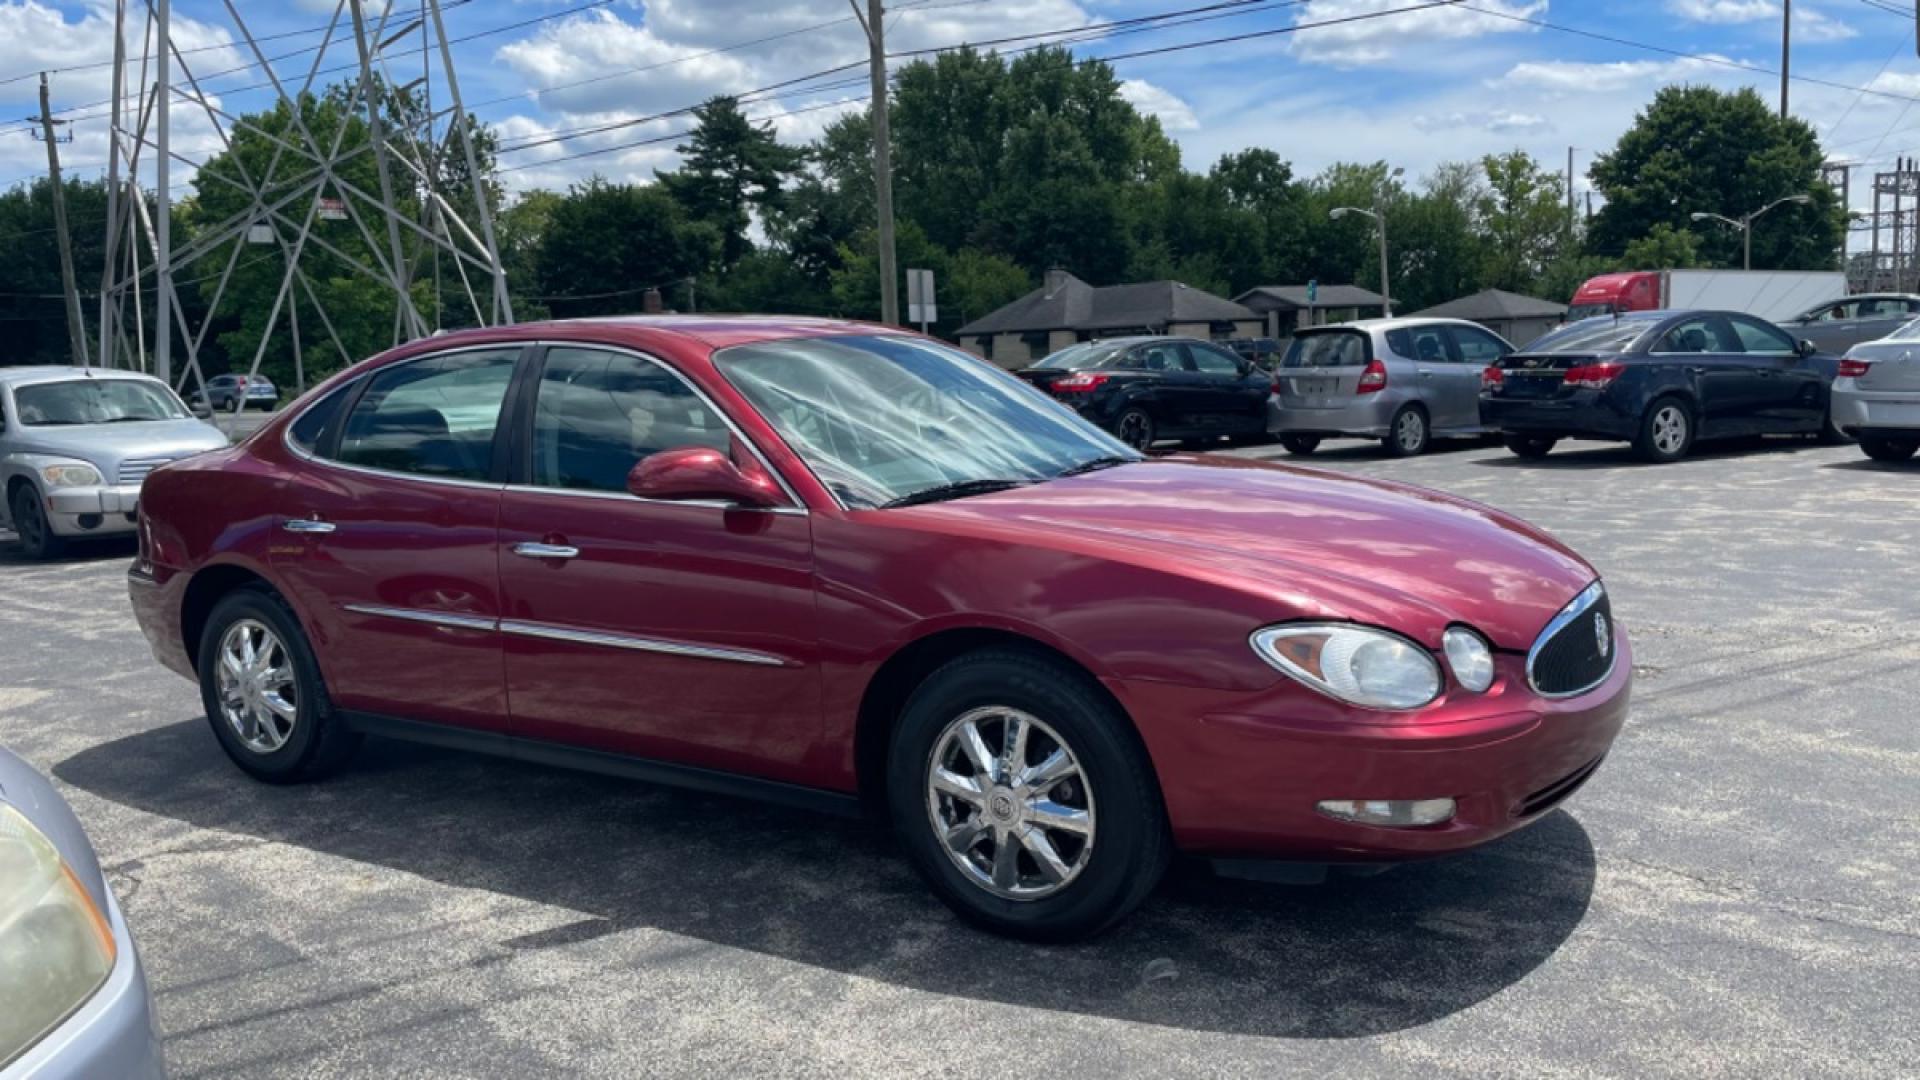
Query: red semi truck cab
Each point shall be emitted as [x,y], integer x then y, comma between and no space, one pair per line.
[1612,294]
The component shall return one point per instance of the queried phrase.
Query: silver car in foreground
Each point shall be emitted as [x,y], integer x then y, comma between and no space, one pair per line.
[75,444]
[1403,381]
[1876,398]
[73,998]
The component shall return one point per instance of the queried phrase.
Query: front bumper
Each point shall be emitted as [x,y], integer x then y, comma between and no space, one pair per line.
[1584,414]
[1242,774]
[1857,412]
[93,511]
[113,1034]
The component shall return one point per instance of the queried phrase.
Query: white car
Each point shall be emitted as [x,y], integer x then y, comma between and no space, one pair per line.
[1876,398]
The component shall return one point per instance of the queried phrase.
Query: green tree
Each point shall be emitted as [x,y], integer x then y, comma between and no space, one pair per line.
[1438,242]
[1664,247]
[1523,210]
[32,305]
[732,168]
[605,243]
[1696,149]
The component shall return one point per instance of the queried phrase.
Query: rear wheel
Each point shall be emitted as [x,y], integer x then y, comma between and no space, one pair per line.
[1532,447]
[1407,435]
[263,694]
[1024,798]
[1666,431]
[30,524]
[1300,444]
[1135,428]
[1881,448]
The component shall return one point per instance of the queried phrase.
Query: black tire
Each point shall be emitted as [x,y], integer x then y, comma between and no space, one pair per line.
[30,524]
[1129,846]
[1531,447]
[1881,448]
[1409,434]
[318,742]
[1301,445]
[1135,427]
[1659,440]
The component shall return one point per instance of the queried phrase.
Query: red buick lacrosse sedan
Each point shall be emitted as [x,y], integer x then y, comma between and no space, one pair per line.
[832,563]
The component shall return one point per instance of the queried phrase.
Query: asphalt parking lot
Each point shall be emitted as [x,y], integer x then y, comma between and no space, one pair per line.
[1737,893]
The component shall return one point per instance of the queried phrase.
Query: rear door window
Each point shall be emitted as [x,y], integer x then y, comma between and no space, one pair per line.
[1164,356]
[432,417]
[599,413]
[1705,334]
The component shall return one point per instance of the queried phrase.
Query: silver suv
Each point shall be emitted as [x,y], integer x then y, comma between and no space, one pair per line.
[75,444]
[1402,381]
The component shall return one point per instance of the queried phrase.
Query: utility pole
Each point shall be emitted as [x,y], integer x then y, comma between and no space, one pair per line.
[1570,220]
[75,333]
[873,23]
[1786,51]
[163,199]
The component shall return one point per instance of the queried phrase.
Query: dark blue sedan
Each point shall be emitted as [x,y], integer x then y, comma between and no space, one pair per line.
[1661,380]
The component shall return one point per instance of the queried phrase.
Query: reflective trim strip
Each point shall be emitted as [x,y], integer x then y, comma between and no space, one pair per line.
[433,618]
[1579,606]
[639,644]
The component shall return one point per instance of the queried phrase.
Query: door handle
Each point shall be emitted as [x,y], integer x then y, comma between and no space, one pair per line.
[1426,372]
[307,525]
[531,550]
[1692,370]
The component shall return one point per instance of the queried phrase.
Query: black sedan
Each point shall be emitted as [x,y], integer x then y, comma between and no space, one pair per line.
[1661,380]
[1144,389]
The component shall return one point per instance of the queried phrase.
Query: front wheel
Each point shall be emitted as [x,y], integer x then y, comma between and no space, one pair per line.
[1300,444]
[30,524]
[1407,435]
[262,690]
[1880,448]
[1666,432]
[1135,428]
[1024,798]
[1531,447]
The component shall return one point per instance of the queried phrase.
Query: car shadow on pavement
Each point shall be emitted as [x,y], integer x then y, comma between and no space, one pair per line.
[74,551]
[1352,958]
[1599,455]
[1865,464]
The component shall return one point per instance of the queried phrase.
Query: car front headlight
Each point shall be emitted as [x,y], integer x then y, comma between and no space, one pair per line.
[62,474]
[1356,664]
[1470,657]
[56,948]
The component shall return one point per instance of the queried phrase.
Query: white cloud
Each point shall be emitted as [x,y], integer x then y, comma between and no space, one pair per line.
[1560,77]
[1906,84]
[1377,40]
[1175,115]
[1498,121]
[1810,24]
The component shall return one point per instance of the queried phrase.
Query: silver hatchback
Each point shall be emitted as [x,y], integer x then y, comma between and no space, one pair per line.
[1403,381]
[1876,397]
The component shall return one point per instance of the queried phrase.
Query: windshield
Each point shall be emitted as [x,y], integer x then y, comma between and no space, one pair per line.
[1080,357]
[94,401]
[1587,311]
[1593,336]
[1909,332]
[1327,348]
[882,419]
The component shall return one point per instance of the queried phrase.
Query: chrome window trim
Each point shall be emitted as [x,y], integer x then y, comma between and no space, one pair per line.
[1575,608]
[550,632]
[732,429]
[628,497]
[451,619]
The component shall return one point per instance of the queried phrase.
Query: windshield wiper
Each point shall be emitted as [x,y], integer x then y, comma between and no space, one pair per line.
[1094,465]
[957,490]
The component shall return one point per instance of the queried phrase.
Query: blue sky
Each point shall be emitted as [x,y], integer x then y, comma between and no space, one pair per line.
[1413,88]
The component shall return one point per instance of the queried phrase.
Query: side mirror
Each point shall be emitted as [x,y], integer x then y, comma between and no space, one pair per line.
[1805,347]
[701,472]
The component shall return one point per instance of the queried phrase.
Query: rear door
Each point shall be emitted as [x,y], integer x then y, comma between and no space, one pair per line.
[1174,383]
[388,540]
[1735,390]
[675,630]
[1796,388]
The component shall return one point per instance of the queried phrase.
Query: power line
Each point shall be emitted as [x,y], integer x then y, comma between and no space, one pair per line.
[1881,5]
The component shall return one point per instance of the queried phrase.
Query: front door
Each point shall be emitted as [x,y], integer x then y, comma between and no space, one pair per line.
[681,631]
[1734,388]
[388,540]
[1235,400]
[1796,391]
[1474,351]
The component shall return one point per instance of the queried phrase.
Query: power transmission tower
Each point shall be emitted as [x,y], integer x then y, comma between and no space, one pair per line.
[76,333]
[873,23]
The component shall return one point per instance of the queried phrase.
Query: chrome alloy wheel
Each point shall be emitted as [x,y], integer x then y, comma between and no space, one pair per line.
[258,692]
[1134,430]
[1411,431]
[1670,429]
[1009,803]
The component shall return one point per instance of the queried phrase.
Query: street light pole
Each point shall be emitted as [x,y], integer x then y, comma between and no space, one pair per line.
[1380,223]
[1745,223]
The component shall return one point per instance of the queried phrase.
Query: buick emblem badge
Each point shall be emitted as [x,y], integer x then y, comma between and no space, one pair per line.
[1601,636]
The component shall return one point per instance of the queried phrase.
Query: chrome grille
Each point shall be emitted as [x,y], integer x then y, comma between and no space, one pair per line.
[1575,652]
[134,470]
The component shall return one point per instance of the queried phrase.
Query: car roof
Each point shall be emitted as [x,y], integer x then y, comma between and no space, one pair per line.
[1394,323]
[33,373]
[713,331]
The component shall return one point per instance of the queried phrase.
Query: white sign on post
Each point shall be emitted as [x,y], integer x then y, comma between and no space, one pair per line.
[920,306]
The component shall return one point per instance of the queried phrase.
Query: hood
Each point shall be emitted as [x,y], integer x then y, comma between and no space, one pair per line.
[1319,544]
[107,445]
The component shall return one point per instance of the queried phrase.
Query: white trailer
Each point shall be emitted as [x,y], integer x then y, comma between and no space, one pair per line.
[1776,295]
